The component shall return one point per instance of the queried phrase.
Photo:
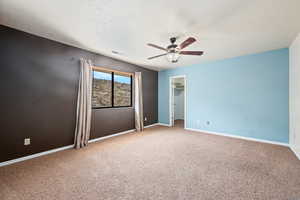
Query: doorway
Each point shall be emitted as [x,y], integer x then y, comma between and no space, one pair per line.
[178,101]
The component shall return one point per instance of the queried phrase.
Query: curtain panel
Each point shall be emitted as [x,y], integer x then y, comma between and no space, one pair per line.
[84,105]
[138,102]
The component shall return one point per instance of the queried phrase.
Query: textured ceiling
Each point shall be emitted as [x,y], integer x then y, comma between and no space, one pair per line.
[224,29]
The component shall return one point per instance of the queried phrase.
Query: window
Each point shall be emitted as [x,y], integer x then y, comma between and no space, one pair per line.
[111,89]
[122,90]
[102,89]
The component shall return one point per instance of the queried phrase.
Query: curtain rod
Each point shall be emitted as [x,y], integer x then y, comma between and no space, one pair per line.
[111,70]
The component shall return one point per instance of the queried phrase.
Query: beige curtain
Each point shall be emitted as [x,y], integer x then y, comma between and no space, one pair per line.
[138,102]
[84,107]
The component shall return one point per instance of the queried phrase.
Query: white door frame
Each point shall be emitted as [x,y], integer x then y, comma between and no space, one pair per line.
[171,99]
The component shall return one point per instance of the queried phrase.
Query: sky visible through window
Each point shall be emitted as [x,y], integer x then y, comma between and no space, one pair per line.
[107,76]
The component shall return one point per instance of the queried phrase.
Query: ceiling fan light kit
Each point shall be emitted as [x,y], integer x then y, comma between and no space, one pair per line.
[173,57]
[173,51]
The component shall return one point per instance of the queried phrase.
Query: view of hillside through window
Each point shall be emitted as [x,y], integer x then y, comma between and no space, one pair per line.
[122,90]
[103,89]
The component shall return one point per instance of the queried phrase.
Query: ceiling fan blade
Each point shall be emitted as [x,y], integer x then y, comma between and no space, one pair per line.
[195,53]
[187,42]
[156,46]
[157,56]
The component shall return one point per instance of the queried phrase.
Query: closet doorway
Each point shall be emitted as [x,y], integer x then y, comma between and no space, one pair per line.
[178,101]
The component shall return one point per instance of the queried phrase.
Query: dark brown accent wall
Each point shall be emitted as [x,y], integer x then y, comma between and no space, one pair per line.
[38,85]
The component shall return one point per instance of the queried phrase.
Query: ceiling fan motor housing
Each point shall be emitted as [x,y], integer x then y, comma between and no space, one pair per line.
[172,46]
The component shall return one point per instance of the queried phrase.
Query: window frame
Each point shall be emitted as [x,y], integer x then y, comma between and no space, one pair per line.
[112,87]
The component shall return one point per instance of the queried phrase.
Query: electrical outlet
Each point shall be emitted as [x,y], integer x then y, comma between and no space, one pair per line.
[145,119]
[27,141]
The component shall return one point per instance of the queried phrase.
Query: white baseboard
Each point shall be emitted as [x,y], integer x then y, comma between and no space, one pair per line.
[239,137]
[163,124]
[118,134]
[9,162]
[110,136]
[149,126]
[296,151]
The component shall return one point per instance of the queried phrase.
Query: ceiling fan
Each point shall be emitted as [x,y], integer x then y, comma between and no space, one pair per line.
[173,51]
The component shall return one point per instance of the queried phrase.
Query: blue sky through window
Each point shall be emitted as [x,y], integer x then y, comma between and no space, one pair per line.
[122,79]
[107,76]
[102,75]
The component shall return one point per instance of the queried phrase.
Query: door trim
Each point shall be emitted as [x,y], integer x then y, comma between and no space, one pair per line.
[171,99]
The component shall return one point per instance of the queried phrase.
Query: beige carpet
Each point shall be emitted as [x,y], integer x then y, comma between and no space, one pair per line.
[161,163]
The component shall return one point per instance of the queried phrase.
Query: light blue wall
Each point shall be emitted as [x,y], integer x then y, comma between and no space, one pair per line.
[244,96]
